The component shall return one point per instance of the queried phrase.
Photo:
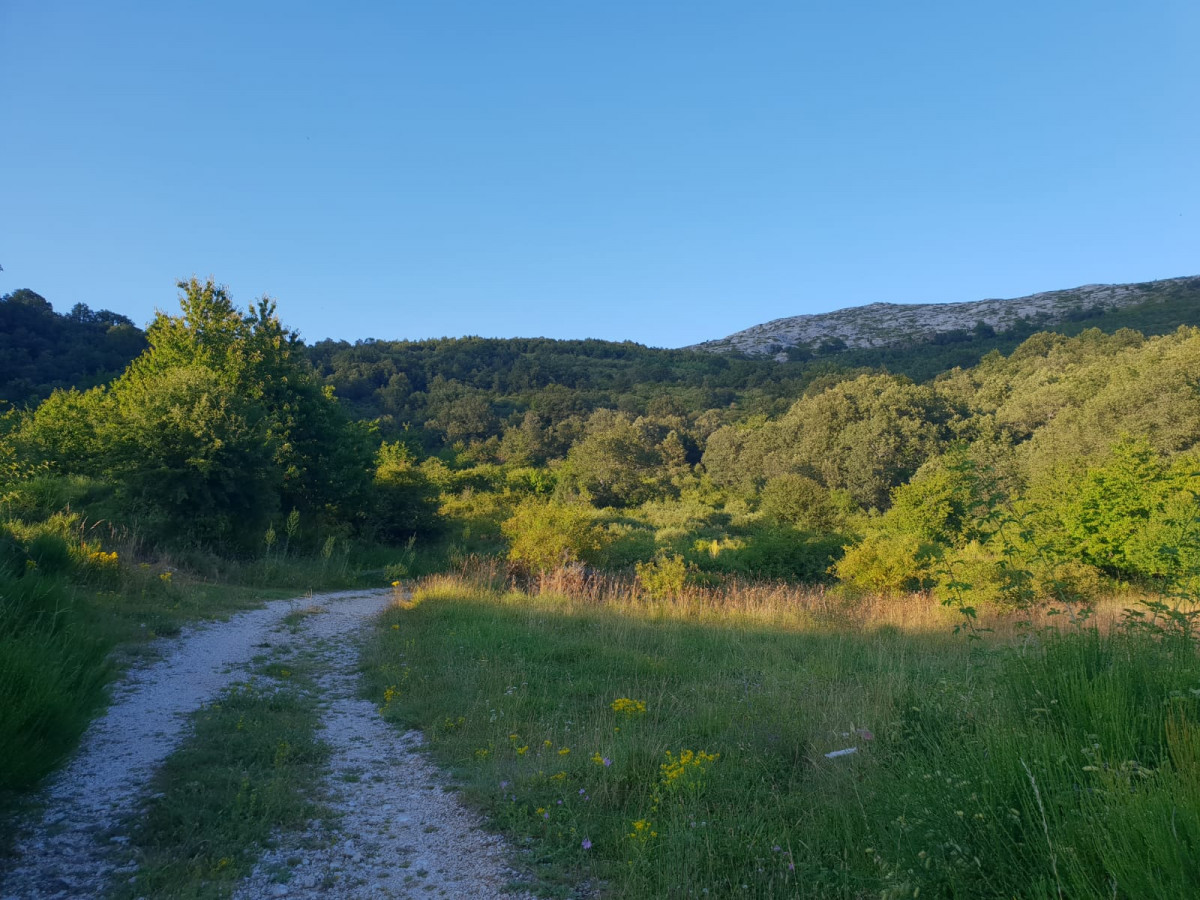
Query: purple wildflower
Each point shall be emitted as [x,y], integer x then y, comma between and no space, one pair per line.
[586,844]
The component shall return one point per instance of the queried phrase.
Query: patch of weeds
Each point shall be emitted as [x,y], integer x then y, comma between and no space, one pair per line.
[296,617]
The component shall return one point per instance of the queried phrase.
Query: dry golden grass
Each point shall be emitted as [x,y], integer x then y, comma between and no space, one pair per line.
[780,604]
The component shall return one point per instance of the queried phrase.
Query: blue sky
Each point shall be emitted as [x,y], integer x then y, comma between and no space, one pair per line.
[663,172]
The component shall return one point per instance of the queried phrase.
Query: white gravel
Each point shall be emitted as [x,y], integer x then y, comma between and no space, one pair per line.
[395,822]
[396,832]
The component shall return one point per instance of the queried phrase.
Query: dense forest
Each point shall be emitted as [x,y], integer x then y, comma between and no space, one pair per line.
[41,351]
[1067,466]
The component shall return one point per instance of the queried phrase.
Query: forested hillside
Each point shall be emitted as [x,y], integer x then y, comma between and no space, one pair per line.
[41,350]
[619,455]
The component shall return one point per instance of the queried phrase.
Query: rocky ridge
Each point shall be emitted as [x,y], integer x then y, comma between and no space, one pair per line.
[895,324]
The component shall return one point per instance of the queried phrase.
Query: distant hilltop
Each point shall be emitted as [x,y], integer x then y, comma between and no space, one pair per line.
[879,325]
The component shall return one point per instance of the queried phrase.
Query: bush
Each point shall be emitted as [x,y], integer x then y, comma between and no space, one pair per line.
[775,552]
[543,536]
[12,555]
[976,577]
[888,563]
[1068,581]
[404,500]
[799,501]
[664,577]
[50,553]
[626,544]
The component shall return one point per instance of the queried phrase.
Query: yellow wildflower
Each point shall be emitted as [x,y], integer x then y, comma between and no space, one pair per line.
[624,706]
[686,768]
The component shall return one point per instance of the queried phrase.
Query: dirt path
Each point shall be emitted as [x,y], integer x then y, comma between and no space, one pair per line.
[397,833]
[394,821]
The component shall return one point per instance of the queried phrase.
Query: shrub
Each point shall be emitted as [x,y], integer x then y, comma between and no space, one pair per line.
[663,577]
[773,552]
[888,563]
[543,536]
[12,555]
[1068,581]
[50,553]
[799,501]
[405,502]
[975,576]
[626,544]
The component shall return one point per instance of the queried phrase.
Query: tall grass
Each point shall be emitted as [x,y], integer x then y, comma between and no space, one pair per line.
[1032,763]
[52,675]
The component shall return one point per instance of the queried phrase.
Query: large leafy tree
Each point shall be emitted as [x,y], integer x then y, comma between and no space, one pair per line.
[220,425]
[864,436]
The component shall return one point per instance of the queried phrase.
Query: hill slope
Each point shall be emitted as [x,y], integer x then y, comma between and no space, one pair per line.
[892,325]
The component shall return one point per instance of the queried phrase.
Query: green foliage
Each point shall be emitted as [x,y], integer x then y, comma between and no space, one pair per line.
[884,562]
[864,436]
[974,577]
[663,577]
[545,535]
[191,456]
[777,552]
[42,351]
[618,463]
[1135,516]
[405,501]
[212,431]
[801,502]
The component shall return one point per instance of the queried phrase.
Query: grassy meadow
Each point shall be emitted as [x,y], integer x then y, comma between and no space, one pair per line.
[677,747]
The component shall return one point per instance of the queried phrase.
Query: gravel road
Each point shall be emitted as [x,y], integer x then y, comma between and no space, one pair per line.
[395,833]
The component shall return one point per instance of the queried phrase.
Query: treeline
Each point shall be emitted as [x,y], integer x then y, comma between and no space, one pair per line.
[41,351]
[442,392]
[1065,467]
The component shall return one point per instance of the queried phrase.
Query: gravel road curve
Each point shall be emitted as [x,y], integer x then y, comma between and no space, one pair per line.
[394,819]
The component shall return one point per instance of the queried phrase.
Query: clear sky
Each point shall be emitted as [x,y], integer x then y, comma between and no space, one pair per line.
[663,172]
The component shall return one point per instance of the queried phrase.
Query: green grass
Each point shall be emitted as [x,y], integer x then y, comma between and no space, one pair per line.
[71,621]
[52,675]
[941,802]
[249,769]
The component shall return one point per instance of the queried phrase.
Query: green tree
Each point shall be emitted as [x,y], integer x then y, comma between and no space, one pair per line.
[801,502]
[216,427]
[619,463]
[189,456]
[405,502]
